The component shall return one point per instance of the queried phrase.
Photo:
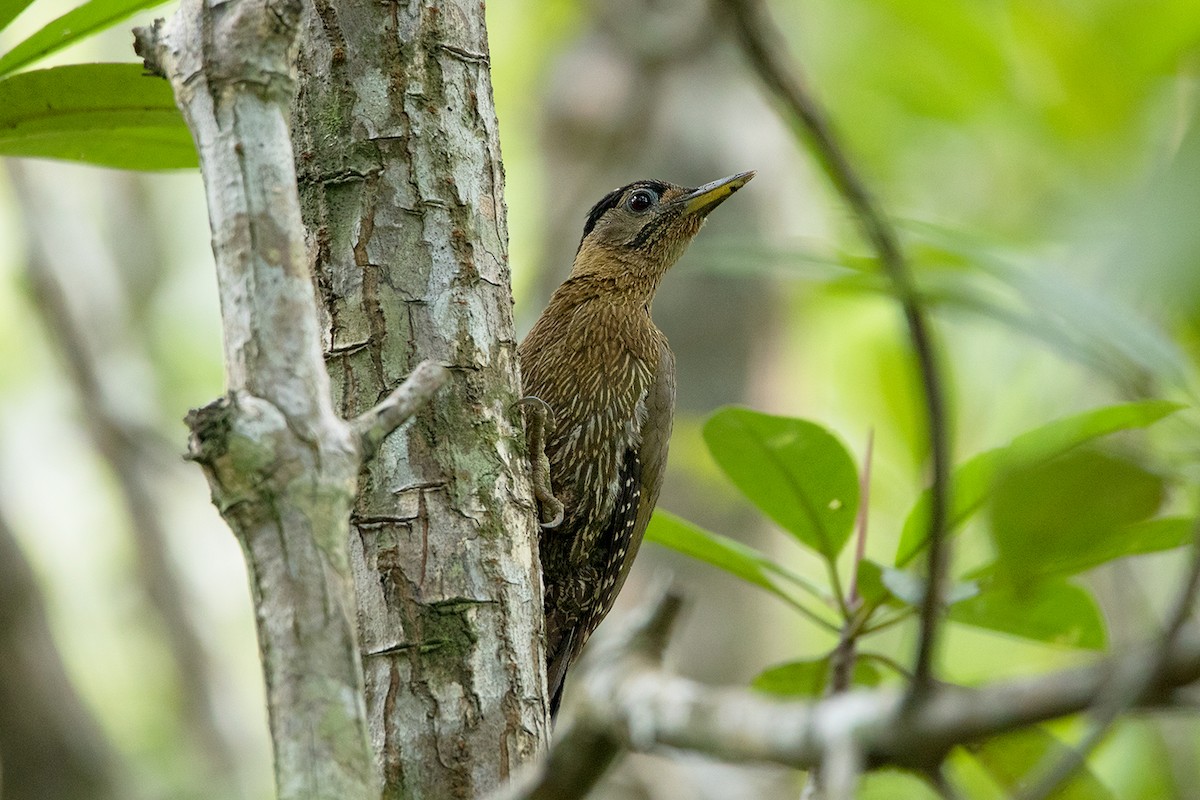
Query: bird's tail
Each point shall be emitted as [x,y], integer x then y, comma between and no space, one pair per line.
[557,664]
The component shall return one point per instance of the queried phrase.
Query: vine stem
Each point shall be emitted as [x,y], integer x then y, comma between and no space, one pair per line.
[766,51]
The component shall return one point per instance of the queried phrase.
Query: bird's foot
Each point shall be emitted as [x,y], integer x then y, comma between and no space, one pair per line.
[540,421]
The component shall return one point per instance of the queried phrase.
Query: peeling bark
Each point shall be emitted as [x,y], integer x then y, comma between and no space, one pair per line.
[401,184]
[281,464]
[399,173]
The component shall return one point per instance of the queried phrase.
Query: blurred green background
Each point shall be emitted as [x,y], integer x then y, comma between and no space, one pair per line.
[1040,157]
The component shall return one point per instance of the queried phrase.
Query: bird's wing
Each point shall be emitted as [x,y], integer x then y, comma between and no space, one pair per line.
[652,452]
[599,579]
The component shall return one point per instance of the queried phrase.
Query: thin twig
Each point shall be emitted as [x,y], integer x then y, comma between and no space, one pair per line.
[373,425]
[1124,689]
[766,50]
[895,619]
[860,523]
[802,582]
[889,662]
[846,652]
[807,612]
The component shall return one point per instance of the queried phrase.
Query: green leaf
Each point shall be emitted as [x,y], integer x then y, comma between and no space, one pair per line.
[809,678]
[878,584]
[794,679]
[107,114]
[870,583]
[720,551]
[1069,511]
[973,480]
[10,10]
[71,27]
[1147,536]
[1054,611]
[798,473]
[890,784]
[1013,759]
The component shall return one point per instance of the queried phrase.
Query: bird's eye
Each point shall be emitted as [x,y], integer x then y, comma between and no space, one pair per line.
[640,200]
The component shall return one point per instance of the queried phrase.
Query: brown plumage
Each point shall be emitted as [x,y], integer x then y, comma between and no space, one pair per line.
[607,374]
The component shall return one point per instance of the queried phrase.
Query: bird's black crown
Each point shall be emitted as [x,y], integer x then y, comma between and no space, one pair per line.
[613,198]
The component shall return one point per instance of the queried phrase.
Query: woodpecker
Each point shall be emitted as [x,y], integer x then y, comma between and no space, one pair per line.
[600,378]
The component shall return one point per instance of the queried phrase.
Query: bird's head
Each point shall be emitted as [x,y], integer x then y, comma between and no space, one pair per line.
[637,232]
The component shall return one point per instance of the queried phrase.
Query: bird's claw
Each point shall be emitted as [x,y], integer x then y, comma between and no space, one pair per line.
[541,420]
[553,503]
[542,411]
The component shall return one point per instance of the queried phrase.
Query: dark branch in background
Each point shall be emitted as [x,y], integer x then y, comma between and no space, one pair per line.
[1124,688]
[50,744]
[581,754]
[766,50]
[135,453]
[624,695]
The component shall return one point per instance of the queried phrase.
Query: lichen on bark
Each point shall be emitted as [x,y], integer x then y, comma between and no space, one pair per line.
[401,185]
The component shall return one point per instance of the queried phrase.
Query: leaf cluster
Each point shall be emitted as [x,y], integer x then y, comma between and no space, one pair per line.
[1053,502]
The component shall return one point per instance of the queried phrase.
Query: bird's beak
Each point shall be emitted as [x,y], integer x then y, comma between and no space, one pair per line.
[710,195]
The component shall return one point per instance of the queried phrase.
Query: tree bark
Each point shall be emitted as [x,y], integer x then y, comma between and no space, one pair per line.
[401,184]
[281,464]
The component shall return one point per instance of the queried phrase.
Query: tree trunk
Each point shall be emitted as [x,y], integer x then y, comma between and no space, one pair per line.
[282,465]
[401,185]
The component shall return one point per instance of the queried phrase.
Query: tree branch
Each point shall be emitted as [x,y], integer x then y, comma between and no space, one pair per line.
[50,743]
[766,50]
[624,691]
[374,425]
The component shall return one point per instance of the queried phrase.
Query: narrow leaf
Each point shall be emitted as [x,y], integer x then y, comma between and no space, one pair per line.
[809,678]
[76,24]
[720,551]
[973,480]
[870,583]
[108,114]
[10,10]
[798,473]
[1098,330]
